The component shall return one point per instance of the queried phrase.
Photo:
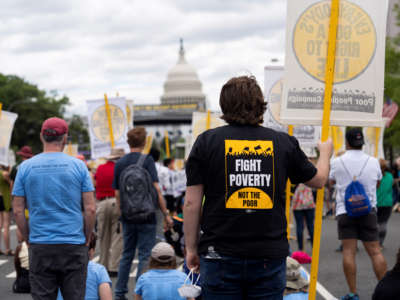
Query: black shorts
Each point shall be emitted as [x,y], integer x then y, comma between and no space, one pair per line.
[2,207]
[363,228]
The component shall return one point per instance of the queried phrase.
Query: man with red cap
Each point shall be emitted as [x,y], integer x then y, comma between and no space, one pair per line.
[55,187]
[25,153]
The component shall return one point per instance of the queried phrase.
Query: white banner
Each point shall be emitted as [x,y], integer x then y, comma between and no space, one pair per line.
[7,120]
[371,136]
[98,126]
[199,125]
[359,70]
[308,136]
[71,149]
[273,85]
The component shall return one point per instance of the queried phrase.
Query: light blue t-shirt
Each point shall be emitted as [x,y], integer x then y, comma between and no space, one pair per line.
[296,296]
[160,284]
[53,183]
[96,275]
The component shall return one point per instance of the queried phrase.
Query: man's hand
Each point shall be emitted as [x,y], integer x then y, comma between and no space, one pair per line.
[326,148]
[169,221]
[192,260]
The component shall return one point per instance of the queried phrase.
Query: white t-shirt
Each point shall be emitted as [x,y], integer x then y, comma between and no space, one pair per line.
[163,178]
[354,160]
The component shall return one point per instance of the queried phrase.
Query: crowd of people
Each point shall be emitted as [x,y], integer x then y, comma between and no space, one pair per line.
[227,222]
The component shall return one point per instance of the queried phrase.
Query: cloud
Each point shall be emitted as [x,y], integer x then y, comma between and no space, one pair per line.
[86,48]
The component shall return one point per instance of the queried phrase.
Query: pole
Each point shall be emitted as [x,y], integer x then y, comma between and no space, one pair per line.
[377,138]
[149,142]
[208,120]
[288,193]
[1,108]
[69,149]
[108,113]
[329,78]
[167,145]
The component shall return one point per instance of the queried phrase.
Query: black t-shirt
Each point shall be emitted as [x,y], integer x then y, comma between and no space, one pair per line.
[129,159]
[244,170]
[388,287]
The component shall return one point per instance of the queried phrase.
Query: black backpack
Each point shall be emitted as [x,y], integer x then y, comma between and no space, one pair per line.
[138,195]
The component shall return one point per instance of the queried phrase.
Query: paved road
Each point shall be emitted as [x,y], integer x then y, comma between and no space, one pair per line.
[330,272]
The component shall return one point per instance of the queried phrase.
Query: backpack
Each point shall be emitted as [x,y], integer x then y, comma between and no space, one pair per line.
[138,195]
[356,199]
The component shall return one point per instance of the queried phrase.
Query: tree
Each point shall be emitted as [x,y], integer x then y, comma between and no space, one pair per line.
[392,90]
[78,133]
[32,105]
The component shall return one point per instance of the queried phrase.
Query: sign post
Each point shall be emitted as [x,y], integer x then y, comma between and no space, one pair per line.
[377,138]
[208,120]
[167,152]
[288,193]
[329,77]
[108,112]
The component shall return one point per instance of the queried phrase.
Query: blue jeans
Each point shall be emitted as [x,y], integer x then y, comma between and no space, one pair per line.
[142,236]
[300,215]
[232,278]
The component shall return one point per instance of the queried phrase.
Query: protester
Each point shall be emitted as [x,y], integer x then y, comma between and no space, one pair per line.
[55,187]
[140,234]
[296,281]
[164,182]
[389,286]
[98,283]
[356,164]
[5,208]
[169,193]
[108,225]
[303,210]
[162,280]
[384,195]
[242,170]
[24,153]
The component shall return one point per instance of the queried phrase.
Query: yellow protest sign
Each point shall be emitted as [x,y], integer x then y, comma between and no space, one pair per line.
[356,40]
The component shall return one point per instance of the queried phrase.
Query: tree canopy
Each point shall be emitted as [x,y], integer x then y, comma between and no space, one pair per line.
[32,105]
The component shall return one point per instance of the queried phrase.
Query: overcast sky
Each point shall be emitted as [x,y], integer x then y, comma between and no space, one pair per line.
[86,48]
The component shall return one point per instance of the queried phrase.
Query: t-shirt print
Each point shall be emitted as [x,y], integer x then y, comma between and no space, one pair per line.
[249,172]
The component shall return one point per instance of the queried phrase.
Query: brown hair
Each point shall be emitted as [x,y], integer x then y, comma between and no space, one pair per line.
[384,165]
[242,101]
[137,137]
[154,264]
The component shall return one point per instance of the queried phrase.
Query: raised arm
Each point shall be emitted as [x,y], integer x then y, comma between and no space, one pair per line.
[89,213]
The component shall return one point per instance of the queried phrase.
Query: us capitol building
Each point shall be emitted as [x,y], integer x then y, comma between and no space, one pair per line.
[182,96]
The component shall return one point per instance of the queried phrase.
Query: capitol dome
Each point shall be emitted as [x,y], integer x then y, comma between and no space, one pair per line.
[183,85]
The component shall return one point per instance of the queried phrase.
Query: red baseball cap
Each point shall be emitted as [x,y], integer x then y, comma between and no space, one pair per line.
[54,127]
[25,151]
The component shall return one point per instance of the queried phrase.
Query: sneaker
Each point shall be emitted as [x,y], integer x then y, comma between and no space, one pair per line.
[350,297]
[124,298]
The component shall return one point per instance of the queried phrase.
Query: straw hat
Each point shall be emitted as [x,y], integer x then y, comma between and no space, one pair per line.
[116,153]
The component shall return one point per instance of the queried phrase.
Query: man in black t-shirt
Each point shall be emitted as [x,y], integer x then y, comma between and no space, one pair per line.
[136,235]
[238,236]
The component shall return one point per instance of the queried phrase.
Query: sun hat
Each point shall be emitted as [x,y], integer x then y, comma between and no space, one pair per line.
[25,151]
[294,280]
[54,127]
[163,252]
[115,154]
